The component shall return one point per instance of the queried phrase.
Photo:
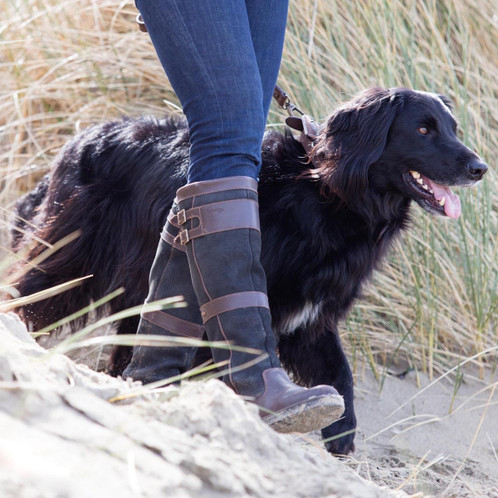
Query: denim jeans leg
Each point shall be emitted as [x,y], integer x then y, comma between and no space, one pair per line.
[209,53]
[267,20]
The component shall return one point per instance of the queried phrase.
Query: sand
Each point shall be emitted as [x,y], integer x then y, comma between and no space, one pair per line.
[60,436]
[445,443]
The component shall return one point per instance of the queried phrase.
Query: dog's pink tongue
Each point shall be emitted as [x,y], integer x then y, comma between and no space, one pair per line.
[452,206]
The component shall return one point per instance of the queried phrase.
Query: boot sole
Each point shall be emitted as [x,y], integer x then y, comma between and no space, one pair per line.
[311,415]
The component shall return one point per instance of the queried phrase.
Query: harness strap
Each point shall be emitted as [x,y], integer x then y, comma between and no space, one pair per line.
[249,299]
[218,217]
[309,129]
[284,101]
[175,325]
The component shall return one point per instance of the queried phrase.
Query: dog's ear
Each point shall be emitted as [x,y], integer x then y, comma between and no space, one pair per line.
[354,138]
[446,101]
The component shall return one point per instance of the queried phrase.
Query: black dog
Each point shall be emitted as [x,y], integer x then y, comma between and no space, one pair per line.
[325,223]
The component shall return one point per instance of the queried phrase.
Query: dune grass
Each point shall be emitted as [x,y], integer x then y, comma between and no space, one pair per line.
[67,64]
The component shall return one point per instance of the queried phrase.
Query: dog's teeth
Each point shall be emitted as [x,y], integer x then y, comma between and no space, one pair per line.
[415,174]
[425,186]
[442,201]
[419,180]
[431,191]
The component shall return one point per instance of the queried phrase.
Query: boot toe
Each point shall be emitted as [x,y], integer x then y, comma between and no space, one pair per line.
[287,407]
[314,413]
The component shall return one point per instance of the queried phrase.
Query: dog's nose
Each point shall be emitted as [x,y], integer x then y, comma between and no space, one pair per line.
[476,169]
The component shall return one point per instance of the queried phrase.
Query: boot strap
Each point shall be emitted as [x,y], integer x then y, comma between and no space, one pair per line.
[172,241]
[173,219]
[174,325]
[249,299]
[218,217]
[219,185]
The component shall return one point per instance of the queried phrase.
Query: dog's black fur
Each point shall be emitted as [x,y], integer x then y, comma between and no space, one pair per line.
[325,224]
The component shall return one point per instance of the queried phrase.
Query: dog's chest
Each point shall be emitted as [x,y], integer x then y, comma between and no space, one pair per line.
[302,317]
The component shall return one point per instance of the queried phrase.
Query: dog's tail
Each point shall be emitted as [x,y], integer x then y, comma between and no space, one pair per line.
[88,226]
[69,246]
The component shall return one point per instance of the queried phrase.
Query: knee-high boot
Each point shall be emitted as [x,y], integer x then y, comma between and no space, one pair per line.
[169,276]
[219,222]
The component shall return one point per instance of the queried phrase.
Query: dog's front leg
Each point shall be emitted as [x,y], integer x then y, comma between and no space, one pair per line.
[323,362]
[330,346]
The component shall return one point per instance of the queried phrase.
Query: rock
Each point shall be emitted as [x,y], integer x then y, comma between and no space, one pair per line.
[62,436]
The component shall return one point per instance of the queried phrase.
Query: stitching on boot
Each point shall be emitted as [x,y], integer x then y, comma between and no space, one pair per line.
[218,318]
[260,312]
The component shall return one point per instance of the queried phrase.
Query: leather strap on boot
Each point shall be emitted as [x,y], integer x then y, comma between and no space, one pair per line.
[235,301]
[166,321]
[213,186]
[174,325]
[172,240]
[218,217]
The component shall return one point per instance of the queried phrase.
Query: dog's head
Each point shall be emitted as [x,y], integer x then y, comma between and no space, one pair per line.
[398,142]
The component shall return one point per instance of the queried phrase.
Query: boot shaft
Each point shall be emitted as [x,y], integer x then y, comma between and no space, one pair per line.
[220,230]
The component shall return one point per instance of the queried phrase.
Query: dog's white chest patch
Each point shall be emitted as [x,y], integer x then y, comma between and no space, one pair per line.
[308,314]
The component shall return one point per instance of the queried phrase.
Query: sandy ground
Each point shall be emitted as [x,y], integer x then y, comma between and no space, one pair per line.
[60,436]
[439,442]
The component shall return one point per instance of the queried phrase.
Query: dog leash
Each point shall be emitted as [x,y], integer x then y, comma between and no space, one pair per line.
[284,102]
[304,123]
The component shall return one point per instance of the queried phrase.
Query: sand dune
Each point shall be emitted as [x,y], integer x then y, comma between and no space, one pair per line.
[60,436]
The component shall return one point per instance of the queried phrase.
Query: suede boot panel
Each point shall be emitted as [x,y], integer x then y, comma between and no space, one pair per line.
[154,363]
[169,276]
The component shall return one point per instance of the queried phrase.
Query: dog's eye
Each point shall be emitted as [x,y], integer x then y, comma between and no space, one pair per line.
[423,130]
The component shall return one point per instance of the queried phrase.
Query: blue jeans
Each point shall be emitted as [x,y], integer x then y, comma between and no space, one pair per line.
[222,58]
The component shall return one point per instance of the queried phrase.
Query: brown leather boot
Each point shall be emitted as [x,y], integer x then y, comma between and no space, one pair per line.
[220,230]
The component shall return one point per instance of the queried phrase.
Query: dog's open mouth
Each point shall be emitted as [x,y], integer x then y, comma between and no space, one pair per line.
[432,196]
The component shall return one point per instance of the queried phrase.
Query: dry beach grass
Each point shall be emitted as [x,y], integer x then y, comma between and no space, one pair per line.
[69,63]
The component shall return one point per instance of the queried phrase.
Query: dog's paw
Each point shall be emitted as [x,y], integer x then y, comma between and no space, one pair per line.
[341,445]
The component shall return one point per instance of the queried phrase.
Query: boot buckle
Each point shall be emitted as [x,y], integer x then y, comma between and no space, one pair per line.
[184,238]
[181,217]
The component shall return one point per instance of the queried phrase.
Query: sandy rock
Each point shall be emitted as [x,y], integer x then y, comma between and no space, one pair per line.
[60,436]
